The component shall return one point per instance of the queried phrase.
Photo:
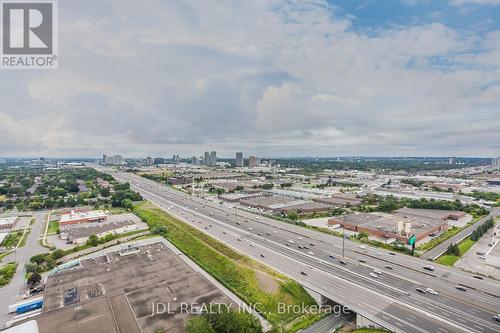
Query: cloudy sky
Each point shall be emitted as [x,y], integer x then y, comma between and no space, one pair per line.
[266,77]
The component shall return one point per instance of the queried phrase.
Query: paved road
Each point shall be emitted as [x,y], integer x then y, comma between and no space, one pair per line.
[13,292]
[390,299]
[437,251]
[328,324]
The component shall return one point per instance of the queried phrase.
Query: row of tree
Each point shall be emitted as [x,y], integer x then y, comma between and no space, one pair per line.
[482,229]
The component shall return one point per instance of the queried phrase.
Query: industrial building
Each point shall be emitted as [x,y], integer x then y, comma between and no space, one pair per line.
[398,226]
[115,292]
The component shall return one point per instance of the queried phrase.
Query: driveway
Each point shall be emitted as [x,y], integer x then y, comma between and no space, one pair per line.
[13,292]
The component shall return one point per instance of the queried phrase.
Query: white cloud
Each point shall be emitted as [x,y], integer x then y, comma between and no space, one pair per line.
[276,77]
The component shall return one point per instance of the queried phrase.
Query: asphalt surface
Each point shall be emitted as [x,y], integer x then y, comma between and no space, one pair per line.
[328,324]
[12,293]
[437,251]
[390,299]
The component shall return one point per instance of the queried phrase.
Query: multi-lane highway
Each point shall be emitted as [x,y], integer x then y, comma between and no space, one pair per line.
[375,283]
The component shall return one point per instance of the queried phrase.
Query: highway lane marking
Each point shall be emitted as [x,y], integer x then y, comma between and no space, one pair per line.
[225,225]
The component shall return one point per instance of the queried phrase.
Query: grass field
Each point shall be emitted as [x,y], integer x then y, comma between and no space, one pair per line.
[53,227]
[12,239]
[7,272]
[253,282]
[450,260]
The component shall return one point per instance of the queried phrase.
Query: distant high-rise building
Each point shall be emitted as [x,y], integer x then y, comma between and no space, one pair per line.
[206,158]
[252,161]
[451,160]
[495,162]
[239,159]
[103,158]
[195,160]
[213,159]
[149,161]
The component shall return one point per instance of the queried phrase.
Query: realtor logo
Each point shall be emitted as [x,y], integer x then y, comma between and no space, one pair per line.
[29,34]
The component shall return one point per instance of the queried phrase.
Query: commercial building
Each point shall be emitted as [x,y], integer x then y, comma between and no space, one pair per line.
[400,225]
[82,217]
[80,234]
[115,292]
[239,159]
[6,223]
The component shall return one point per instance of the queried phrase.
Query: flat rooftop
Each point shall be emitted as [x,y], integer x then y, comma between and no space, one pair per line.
[115,293]
[73,216]
[95,228]
[389,222]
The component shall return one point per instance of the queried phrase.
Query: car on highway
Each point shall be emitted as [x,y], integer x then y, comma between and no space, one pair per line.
[290,241]
[362,247]
[260,234]
[300,247]
[206,228]
[377,272]
[311,253]
[225,233]
[420,290]
[362,261]
[431,291]
[429,268]
[238,223]
[303,273]
[287,244]
[392,253]
[388,267]
[332,256]
[477,277]
[342,262]
[268,233]
[250,228]
[258,218]
[252,245]
[460,288]
[497,318]
[373,275]
[211,214]
[239,239]
[311,244]
[262,256]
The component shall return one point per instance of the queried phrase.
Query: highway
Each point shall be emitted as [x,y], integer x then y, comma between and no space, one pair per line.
[437,251]
[390,299]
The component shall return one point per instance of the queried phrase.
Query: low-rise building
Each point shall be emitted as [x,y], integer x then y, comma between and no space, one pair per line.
[81,233]
[7,223]
[82,217]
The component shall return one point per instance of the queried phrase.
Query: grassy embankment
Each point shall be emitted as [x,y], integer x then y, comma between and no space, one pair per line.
[7,272]
[253,282]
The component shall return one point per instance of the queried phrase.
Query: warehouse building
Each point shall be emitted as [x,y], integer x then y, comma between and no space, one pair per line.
[115,292]
[397,226]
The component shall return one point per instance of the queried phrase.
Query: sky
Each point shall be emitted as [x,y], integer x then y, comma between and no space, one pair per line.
[265,77]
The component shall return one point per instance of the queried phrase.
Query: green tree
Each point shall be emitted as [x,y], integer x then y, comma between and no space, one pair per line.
[34,279]
[93,240]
